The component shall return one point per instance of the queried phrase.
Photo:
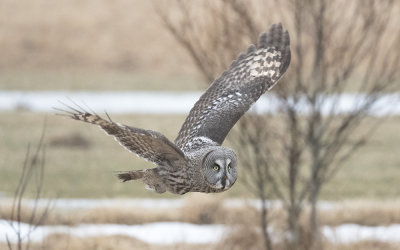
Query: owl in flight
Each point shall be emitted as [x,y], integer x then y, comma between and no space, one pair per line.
[196,161]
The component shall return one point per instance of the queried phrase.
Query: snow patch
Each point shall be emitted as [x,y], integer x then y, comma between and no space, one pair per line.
[348,233]
[181,102]
[166,233]
[153,233]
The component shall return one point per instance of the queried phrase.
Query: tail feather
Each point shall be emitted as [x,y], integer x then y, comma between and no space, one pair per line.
[131,175]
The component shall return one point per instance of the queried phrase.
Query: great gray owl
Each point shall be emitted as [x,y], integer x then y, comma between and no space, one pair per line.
[197,162]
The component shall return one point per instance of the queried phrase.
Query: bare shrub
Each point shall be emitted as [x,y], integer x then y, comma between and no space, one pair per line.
[244,236]
[32,174]
[338,47]
[203,209]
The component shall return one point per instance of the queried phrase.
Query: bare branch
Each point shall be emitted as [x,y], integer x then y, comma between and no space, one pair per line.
[339,47]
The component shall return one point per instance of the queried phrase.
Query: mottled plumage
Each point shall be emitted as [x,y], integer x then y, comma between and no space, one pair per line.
[197,162]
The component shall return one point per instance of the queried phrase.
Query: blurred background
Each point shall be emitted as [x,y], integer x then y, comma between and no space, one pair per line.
[319,170]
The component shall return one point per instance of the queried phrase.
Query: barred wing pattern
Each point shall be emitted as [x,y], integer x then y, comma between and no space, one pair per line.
[232,94]
[148,144]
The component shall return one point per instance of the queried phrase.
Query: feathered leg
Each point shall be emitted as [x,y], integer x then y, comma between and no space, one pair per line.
[149,177]
[131,175]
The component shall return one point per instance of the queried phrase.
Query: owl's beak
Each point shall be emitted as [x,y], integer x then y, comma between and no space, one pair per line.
[223,182]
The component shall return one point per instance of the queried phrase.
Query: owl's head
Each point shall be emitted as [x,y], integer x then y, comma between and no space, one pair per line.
[220,168]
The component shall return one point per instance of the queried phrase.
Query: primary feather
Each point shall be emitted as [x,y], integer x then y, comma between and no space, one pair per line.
[232,94]
[148,144]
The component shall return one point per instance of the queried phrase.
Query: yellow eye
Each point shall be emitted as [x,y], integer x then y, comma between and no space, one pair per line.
[216,167]
[229,167]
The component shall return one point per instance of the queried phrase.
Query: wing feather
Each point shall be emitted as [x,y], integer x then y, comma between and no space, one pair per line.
[232,94]
[148,144]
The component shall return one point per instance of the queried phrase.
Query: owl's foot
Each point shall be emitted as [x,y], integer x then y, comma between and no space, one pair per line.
[149,177]
[131,175]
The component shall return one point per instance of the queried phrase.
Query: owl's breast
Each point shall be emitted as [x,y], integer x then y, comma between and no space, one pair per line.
[177,182]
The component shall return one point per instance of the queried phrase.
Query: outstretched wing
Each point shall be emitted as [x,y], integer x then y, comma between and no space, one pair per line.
[148,144]
[232,94]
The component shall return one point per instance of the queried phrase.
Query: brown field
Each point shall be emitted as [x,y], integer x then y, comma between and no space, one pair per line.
[97,34]
[63,242]
[91,44]
[370,174]
[203,209]
[121,45]
[76,165]
[100,45]
[66,242]
[98,80]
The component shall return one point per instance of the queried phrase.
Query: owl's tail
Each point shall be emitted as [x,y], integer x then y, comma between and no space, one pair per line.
[131,175]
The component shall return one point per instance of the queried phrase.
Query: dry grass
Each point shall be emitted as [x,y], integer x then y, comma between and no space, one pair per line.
[95,44]
[129,216]
[197,209]
[88,172]
[98,44]
[67,242]
[244,233]
[369,213]
[247,240]
[121,34]
[246,236]
[363,245]
[204,209]
[75,140]
[97,80]
[74,171]
[200,209]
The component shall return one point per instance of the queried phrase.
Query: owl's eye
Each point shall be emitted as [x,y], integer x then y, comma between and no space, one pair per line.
[229,166]
[216,167]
